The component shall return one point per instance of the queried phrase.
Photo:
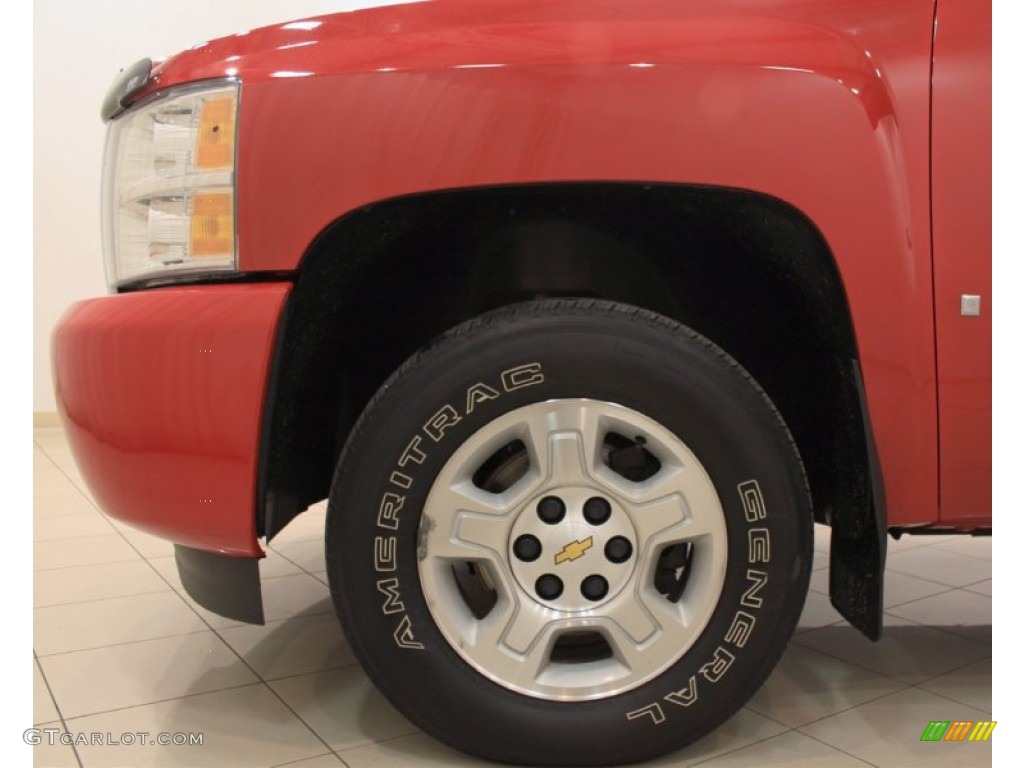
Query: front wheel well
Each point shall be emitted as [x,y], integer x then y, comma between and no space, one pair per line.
[745,270]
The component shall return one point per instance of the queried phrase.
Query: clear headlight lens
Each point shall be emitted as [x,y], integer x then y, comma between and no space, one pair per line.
[169,186]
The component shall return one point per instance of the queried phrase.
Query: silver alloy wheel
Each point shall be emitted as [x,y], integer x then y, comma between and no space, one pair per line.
[552,583]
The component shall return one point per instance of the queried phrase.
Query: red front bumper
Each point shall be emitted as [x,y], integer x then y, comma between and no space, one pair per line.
[161,394]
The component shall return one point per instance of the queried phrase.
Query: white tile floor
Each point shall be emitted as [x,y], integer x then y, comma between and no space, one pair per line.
[120,649]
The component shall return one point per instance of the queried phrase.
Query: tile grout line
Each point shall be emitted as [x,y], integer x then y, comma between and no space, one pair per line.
[933,581]
[76,538]
[955,669]
[917,599]
[946,546]
[955,701]
[99,600]
[82,565]
[81,491]
[906,686]
[976,583]
[919,683]
[170,587]
[163,701]
[314,757]
[43,450]
[948,631]
[838,749]
[269,680]
[125,642]
[64,515]
[719,755]
[415,732]
[56,706]
[898,568]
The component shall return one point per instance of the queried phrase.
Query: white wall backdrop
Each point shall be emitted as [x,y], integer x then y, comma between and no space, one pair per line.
[79,46]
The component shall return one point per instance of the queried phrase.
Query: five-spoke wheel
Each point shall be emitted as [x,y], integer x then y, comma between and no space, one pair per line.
[569,533]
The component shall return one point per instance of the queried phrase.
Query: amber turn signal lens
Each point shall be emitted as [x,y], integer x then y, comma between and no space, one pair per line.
[215,142]
[213,224]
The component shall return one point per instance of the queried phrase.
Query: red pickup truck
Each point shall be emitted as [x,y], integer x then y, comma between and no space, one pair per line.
[579,313]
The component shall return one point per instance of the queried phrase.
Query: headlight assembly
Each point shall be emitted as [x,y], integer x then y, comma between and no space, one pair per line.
[169,186]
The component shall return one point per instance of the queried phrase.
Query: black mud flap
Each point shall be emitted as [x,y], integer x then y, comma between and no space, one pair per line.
[855,581]
[228,586]
[857,555]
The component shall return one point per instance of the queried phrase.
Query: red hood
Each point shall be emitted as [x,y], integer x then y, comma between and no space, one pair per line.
[441,34]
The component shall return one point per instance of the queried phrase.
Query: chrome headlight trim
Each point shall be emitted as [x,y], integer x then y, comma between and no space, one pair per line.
[169,203]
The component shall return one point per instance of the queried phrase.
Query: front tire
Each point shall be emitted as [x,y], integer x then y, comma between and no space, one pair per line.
[569,533]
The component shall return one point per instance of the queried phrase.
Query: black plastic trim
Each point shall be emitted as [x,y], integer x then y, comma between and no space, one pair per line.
[938,529]
[265,495]
[857,554]
[228,586]
[228,278]
[127,84]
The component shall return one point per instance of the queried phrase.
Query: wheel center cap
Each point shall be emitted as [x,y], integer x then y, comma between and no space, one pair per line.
[572,548]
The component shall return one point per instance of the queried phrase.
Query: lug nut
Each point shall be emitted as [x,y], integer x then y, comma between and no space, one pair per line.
[594,587]
[527,548]
[551,510]
[549,586]
[618,549]
[597,510]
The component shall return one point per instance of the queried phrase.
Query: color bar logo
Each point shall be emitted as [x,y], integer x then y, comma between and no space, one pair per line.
[958,730]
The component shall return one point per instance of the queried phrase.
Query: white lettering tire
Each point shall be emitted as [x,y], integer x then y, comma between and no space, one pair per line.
[569,533]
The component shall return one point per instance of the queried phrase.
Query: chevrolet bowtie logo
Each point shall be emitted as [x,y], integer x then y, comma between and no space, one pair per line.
[574,550]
